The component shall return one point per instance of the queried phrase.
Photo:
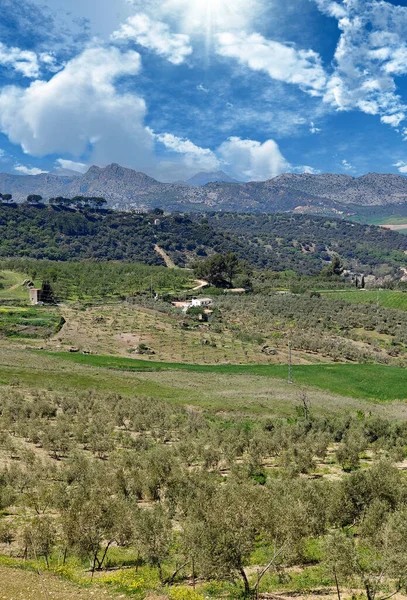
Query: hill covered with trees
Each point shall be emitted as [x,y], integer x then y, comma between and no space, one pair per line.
[302,243]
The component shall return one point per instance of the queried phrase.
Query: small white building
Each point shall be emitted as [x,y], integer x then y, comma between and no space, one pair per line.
[201,302]
[35,295]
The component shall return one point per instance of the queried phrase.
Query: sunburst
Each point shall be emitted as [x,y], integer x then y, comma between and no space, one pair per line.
[207,17]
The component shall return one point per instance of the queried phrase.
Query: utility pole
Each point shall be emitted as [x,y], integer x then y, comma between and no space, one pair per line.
[290,363]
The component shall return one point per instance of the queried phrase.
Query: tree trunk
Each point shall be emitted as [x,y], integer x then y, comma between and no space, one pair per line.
[369,593]
[170,580]
[160,573]
[104,555]
[338,591]
[94,564]
[245,581]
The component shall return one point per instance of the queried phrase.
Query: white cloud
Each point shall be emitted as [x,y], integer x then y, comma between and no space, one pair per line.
[156,36]
[333,9]
[80,110]
[194,157]
[50,62]
[252,159]
[27,62]
[314,129]
[2,153]
[22,61]
[61,163]
[28,170]
[246,159]
[393,120]
[401,165]
[203,17]
[347,165]
[281,62]
[306,169]
[371,52]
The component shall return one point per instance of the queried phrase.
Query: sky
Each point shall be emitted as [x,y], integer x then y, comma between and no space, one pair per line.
[255,88]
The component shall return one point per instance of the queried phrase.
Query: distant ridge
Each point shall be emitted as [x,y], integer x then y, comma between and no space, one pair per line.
[203,178]
[127,189]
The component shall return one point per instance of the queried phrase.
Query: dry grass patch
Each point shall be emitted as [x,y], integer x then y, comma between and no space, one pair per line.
[18,584]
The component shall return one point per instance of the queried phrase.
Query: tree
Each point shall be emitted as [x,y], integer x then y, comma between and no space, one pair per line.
[220,531]
[335,268]
[154,535]
[60,201]
[339,558]
[232,267]
[97,202]
[6,197]
[91,525]
[219,270]
[47,294]
[378,560]
[39,537]
[34,199]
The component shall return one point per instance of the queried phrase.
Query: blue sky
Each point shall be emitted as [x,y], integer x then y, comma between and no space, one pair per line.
[171,87]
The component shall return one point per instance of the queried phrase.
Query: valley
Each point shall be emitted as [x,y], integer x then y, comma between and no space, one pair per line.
[134,436]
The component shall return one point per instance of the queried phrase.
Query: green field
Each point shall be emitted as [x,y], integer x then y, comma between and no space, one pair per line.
[29,322]
[90,281]
[11,288]
[386,298]
[368,381]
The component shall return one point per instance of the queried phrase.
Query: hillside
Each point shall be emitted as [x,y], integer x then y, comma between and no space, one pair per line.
[125,188]
[203,178]
[301,243]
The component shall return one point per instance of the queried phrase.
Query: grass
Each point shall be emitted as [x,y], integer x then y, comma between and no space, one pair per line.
[386,298]
[368,381]
[11,288]
[18,582]
[29,322]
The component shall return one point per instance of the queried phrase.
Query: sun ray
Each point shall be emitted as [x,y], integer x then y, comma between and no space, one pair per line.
[207,17]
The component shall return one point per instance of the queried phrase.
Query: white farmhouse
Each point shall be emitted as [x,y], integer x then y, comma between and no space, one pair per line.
[201,302]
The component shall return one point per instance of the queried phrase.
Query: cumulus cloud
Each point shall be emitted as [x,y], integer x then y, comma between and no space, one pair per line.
[281,62]
[252,159]
[79,110]
[245,159]
[156,36]
[308,170]
[401,165]
[22,61]
[26,62]
[371,52]
[28,170]
[333,9]
[194,157]
[61,163]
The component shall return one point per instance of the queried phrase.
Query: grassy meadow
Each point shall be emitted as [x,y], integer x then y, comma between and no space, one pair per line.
[386,298]
[369,381]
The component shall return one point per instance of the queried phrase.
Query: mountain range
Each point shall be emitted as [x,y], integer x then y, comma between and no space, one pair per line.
[127,189]
[203,178]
